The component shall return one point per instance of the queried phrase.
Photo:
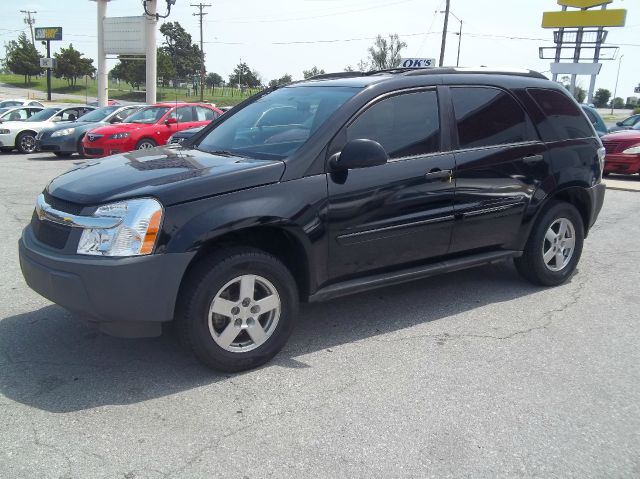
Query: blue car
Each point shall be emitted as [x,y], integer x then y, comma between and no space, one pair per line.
[595,119]
[66,139]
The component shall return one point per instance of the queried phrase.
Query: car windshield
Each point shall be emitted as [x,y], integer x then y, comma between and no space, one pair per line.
[45,114]
[148,115]
[636,126]
[2,110]
[279,123]
[10,103]
[99,114]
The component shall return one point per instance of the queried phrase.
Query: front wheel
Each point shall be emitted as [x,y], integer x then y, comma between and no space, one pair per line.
[237,309]
[26,142]
[145,144]
[554,247]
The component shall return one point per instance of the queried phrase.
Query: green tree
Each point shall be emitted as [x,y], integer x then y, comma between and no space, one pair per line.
[618,102]
[601,98]
[313,71]
[283,80]
[165,68]
[70,65]
[134,72]
[184,54]
[213,79]
[22,58]
[385,53]
[245,77]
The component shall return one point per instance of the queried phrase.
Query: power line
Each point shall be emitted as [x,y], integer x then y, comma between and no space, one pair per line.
[29,20]
[201,14]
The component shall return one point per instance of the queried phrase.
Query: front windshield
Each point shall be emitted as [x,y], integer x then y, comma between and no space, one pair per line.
[45,114]
[3,110]
[279,123]
[636,126]
[99,114]
[148,115]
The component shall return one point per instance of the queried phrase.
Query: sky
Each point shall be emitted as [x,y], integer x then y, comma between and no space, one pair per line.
[289,36]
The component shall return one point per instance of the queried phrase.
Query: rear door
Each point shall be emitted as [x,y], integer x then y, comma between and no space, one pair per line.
[500,161]
[397,213]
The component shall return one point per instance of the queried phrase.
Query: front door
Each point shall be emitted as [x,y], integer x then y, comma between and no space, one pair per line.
[500,162]
[401,212]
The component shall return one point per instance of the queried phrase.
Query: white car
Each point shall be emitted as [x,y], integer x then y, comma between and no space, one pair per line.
[20,102]
[18,113]
[22,134]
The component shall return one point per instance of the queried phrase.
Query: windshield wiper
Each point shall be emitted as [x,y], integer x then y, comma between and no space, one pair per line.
[226,153]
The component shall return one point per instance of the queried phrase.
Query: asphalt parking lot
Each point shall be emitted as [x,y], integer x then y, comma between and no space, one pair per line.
[471,374]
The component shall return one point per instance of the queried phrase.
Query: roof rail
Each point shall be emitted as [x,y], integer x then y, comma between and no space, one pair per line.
[494,71]
[326,76]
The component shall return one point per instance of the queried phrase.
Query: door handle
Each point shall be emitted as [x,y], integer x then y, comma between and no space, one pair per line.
[532,159]
[438,174]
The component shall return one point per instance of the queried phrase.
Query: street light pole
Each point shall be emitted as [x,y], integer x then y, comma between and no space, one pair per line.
[459,33]
[615,90]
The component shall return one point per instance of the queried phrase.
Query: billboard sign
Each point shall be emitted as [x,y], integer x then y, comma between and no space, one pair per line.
[124,35]
[48,33]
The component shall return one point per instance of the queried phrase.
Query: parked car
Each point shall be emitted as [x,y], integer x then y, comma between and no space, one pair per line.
[623,151]
[149,127]
[17,113]
[109,103]
[20,102]
[180,137]
[626,124]
[595,119]
[400,175]
[65,139]
[22,134]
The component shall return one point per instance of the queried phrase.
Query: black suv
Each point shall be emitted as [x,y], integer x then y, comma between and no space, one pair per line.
[318,189]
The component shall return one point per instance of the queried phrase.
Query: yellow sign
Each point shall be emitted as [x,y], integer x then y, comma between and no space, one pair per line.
[584,18]
[583,3]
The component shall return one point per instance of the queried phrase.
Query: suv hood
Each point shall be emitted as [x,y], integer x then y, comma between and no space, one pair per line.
[171,174]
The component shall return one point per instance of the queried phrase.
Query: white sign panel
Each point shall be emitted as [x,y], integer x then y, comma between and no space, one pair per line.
[124,35]
[418,62]
[47,63]
[576,68]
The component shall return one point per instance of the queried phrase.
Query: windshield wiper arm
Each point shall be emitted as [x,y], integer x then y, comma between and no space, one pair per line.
[227,153]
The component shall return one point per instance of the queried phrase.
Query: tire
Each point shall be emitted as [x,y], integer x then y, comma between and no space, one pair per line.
[547,234]
[62,154]
[26,142]
[219,279]
[145,144]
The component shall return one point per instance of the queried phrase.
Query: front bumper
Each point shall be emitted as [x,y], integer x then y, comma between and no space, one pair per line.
[127,296]
[102,147]
[63,144]
[621,163]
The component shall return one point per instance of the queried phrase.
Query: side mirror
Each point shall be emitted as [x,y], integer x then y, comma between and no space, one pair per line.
[619,123]
[359,153]
[170,121]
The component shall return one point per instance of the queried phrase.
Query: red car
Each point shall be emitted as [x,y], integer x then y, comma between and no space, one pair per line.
[623,151]
[149,127]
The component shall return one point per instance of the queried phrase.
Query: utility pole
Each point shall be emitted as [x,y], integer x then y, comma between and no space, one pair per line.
[444,32]
[201,14]
[29,20]
[615,90]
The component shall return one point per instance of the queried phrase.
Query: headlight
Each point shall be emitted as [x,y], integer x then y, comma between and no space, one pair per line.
[65,132]
[634,150]
[136,235]
[4,131]
[119,136]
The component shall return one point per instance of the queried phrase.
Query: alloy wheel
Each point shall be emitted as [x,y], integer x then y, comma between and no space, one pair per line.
[559,244]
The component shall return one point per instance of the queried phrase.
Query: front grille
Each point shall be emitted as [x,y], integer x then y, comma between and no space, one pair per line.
[62,205]
[94,151]
[49,233]
[613,147]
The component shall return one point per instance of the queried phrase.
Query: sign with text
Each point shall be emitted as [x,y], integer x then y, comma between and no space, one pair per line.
[418,63]
[48,33]
[124,35]
[47,63]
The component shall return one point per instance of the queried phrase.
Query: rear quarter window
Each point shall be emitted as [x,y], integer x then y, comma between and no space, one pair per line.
[562,115]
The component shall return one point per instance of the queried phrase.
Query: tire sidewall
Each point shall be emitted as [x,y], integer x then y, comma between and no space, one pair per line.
[558,210]
[197,319]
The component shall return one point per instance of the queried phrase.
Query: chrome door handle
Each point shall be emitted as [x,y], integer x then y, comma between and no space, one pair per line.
[531,159]
[438,174]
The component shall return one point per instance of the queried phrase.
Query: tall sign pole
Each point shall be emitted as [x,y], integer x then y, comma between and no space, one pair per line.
[201,14]
[102,74]
[151,51]
[47,34]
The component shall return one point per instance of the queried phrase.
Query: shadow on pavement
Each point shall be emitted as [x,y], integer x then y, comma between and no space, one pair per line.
[52,361]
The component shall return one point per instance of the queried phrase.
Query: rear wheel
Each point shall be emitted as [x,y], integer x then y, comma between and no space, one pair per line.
[26,142]
[554,247]
[237,309]
[145,144]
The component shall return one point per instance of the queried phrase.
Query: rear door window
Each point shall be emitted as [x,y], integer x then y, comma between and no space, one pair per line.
[488,117]
[205,114]
[405,125]
[561,113]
